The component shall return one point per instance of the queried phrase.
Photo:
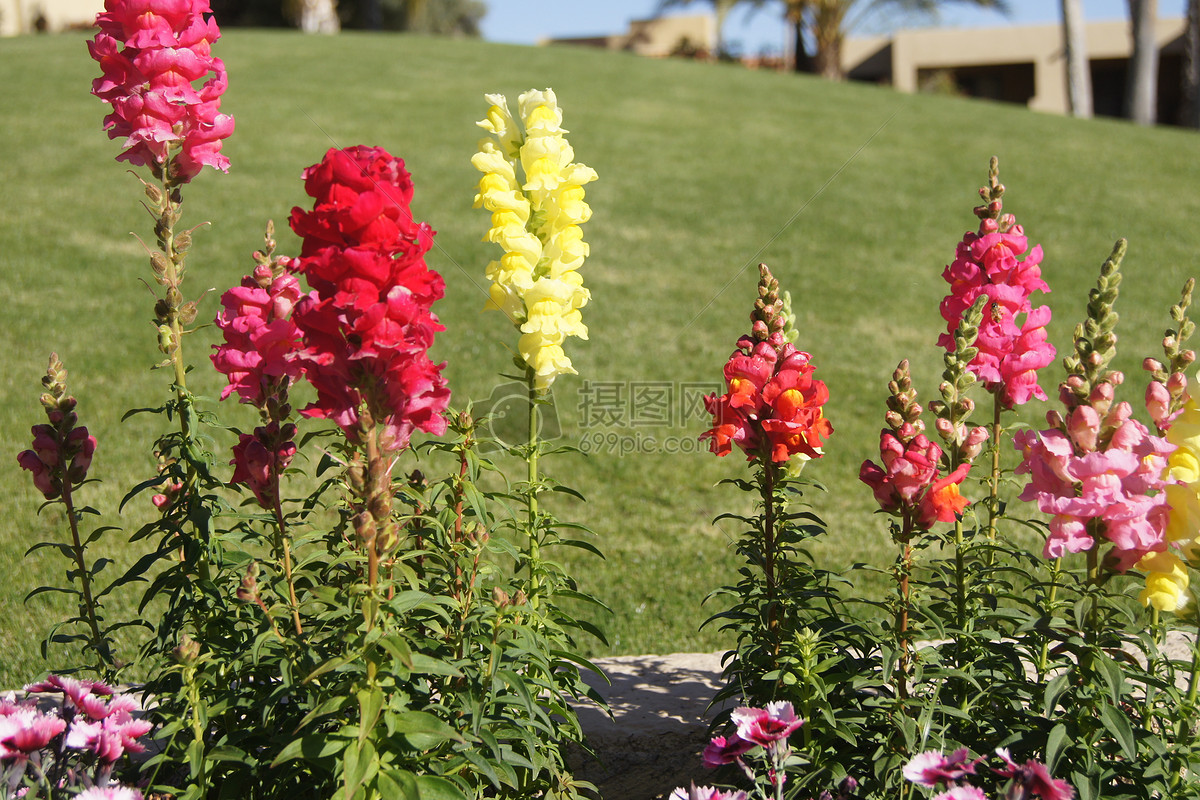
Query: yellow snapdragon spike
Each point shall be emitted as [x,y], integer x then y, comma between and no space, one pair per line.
[1183,524]
[1166,581]
[534,191]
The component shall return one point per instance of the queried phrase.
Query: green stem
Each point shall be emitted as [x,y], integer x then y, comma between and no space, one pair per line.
[768,551]
[283,550]
[1051,597]
[103,654]
[169,213]
[1090,634]
[1158,634]
[993,504]
[531,497]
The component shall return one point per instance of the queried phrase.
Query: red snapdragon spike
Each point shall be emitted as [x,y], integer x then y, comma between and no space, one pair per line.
[773,402]
[152,53]
[367,323]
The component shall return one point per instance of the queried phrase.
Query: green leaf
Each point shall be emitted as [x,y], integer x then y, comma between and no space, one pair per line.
[433,787]
[1055,743]
[359,765]
[1118,725]
[312,747]
[370,703]
[399,784]
[423,730]
[1054,690]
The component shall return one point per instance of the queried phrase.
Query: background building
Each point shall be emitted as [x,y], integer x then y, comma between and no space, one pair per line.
[29,16]
[1020,64]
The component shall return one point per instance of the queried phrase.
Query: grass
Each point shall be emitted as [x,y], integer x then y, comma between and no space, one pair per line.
[856,196]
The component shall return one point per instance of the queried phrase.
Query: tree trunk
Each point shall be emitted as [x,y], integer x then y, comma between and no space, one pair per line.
[1142,85]
[802,60]
[319,16]
[1191,67]
[828,21]
[1079,73]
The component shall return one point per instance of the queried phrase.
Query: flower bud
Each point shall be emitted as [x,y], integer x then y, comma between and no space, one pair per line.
[187,313]
[1152,365]
[945,429]
[1177,384]
[500,597]
[364,527]
[187,652]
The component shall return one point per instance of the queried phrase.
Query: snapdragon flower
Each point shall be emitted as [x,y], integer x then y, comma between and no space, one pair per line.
[998,263]
[534,191]
[153,53]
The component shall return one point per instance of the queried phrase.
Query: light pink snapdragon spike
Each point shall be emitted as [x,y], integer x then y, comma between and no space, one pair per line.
[163,84]
[998,263]
[1122,486]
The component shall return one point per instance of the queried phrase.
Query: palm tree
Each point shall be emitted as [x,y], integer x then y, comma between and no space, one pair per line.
[1142,86]
[721,9]
[1191,67]
[828,21]
[1079,76]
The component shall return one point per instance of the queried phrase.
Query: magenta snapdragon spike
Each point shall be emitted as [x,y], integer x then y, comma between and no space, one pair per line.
[996,262]
[367,324]
[259,459]
[62,452]
[153,53]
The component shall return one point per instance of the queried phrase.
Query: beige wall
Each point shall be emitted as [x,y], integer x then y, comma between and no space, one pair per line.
[17,16]
[654,37]
[1040,45]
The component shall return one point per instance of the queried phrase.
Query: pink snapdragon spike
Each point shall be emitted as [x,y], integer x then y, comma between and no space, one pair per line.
[932,768]
[153,53]
[1033,778]
[260,336]
[720,751]
[695,792]
[998,263]
[766,726]
[367,324]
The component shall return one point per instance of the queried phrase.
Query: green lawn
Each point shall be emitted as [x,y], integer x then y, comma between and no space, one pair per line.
[855,195]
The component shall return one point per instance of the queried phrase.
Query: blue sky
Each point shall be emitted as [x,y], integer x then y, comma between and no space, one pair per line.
[526,21]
